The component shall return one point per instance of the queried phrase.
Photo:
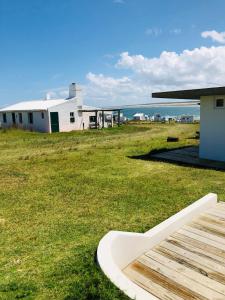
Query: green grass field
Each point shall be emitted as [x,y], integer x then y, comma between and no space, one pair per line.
[60,193]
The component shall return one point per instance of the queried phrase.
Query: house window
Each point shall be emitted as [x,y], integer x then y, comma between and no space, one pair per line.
[4,118]
[219,103]
[14,118]
[72,118]
[30,118]
[20,118]
[92,119]
[42,115]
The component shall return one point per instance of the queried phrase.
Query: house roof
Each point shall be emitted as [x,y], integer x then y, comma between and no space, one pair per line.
[139,115]
[194,94]
[34,105]
[88,107]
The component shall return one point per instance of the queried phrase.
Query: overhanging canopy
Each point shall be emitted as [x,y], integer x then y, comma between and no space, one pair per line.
[194,94]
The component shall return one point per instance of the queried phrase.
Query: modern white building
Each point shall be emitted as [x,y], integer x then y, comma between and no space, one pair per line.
[186,119]
[212,118]
[59,115]
[157,118]
[139,117]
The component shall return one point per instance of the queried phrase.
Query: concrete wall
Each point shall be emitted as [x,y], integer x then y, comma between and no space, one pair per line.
[212,129]
[39,124]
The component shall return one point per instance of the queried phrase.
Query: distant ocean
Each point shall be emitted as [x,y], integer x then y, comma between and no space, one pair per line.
[163,111]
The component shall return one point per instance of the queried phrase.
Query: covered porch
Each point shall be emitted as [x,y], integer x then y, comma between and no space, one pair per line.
[99,118]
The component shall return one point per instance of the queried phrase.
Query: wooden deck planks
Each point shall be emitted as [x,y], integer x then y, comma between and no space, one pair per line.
[190,264]
[202,284]
[149,280]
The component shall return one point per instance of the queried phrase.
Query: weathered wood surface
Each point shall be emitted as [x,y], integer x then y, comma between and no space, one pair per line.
[189,264]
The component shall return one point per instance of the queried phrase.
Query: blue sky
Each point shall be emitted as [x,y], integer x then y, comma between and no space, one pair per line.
[118,50]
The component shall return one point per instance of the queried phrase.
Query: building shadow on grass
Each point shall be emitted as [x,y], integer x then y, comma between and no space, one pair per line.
[185,156]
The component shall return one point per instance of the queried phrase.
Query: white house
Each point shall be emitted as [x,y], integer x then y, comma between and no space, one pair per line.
[157,118]
[212,118]
[59,115]
[139,117]
[186,119]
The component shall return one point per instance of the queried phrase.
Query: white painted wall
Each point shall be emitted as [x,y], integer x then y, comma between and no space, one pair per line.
[212,129]
[64,110]
[64,116]
[139,117]
[39,124]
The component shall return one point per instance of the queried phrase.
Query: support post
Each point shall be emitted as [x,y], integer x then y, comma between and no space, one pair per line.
[118,121]
[96,119]
[103,119]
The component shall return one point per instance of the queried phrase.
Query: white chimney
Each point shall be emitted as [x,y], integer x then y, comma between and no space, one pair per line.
[48,96]
[73,89]
[75,92]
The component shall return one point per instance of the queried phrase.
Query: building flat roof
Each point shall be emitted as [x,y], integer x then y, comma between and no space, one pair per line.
[193,94]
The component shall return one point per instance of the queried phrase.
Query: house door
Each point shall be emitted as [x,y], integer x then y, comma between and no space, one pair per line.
[14,118]
[54,116]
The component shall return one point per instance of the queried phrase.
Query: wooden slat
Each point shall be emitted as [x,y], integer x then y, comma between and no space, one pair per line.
[191,273]
[212,220]
[220,204]
[164,281]
[207,229]
[149,281]
[195,289]
[219,248]
[197,262]
[216,229]
[205,232]
[216,214]
[187,244]
[219,209]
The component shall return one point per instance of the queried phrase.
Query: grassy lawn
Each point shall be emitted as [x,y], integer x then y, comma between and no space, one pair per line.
[60,193]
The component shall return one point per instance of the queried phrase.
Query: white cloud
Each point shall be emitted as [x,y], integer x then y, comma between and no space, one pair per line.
[119,1]
[153,31]
[214,35]
[105,90]
[200,67]
[57,76]
[175,31]
[54,93]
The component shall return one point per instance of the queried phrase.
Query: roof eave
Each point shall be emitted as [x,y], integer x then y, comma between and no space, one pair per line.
[194,94]
[22,110]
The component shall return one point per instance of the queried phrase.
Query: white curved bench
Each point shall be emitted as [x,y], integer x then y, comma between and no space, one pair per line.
[118,250]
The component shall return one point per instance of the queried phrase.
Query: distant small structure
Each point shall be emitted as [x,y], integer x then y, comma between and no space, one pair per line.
[186,119]
[139,117]
[157,118]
